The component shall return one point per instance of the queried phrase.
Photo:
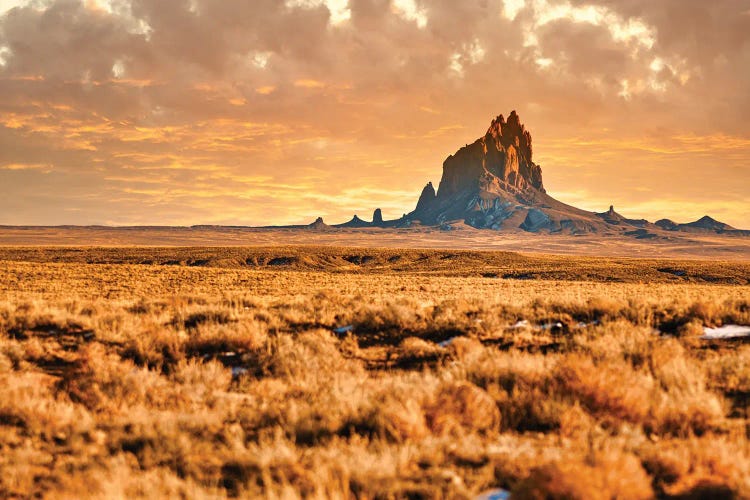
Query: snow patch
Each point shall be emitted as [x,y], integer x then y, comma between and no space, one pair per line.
[521,323]
[552,326]
[496,494]
[726,332]
[446,343]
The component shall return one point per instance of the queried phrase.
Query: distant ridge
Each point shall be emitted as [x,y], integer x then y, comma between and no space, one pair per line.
[709,223]
[354,222]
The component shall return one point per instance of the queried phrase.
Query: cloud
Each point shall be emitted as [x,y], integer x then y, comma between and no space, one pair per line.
[25,166]
[156,110]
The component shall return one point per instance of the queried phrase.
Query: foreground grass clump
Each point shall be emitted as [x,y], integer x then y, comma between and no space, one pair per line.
[128,380]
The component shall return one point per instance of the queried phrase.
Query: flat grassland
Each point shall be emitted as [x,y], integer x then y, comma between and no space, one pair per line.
[332,372]
[668,244]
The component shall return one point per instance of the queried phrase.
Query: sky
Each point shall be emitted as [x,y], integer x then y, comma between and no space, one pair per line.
[254,112]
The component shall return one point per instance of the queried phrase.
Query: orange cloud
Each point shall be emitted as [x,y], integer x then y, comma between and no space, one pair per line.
[309,84]
[26,166]
[359,103]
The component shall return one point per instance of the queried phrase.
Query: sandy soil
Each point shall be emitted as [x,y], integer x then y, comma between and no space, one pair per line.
[699,246]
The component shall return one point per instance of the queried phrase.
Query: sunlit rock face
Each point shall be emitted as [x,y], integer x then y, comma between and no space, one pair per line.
[502,157]
[492,183]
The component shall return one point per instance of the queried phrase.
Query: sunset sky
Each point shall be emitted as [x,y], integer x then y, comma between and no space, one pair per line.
[179,112]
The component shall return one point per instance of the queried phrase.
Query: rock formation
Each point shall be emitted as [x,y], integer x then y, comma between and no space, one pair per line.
[318,224]
[503,155]
[426,199]
[612,217]
[704,224]
[355,222]
[493,183]
[667,224]
[708,223]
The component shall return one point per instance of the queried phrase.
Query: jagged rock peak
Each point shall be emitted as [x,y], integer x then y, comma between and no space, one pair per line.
[377,217]
[613,217]
[427,198]
[504,153]
[512,132]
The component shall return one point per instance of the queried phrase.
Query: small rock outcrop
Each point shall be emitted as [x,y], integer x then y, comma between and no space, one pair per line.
[612,217]
[318,224]
[355,222]
[667,224]
[377,218]
[708,224]
[705,224]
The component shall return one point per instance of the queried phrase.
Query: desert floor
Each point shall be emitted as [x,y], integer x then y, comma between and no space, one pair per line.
[353,372]
[667,244]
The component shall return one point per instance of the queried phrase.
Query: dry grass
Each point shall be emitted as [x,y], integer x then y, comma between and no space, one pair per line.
[121,380]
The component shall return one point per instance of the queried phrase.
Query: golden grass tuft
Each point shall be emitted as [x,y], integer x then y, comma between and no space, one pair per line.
[460,407]
[605,474]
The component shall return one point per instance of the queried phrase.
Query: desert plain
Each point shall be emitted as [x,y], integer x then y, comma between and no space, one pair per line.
[371,364]
[697,245]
